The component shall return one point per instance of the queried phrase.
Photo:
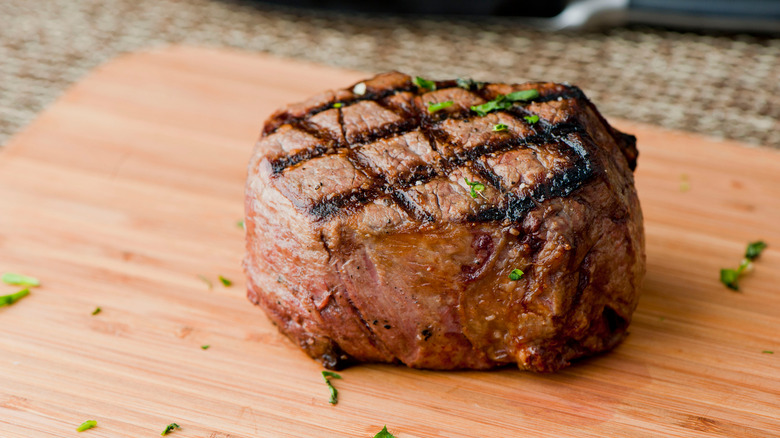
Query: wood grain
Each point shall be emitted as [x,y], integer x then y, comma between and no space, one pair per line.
[130,186]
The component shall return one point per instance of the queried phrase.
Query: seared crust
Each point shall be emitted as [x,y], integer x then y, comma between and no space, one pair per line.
[364,242]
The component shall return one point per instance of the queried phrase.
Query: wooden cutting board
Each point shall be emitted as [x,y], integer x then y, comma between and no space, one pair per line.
[129,188]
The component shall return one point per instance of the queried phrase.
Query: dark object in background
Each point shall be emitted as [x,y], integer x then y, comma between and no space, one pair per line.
[761,16]
[446,225]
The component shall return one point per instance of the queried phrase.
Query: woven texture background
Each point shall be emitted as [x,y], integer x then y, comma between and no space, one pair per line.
[725,86]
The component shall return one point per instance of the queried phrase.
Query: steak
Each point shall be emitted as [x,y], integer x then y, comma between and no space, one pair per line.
[443,226]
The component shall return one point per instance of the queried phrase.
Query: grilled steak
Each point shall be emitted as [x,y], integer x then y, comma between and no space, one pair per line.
[389,222]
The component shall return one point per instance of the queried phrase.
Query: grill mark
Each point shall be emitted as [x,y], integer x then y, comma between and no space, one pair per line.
[571,92]
[279,164]
[432,133]
[369,95]
[349,201]
[550,135]
[487,174]
[428,126]
[410,208]
[511,207]
[384,132]
[310,128]
[561,184]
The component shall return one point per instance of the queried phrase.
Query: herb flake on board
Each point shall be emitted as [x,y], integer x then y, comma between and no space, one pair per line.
[7,300]
[384,434]
[20,280]
[334,393]
[89,424]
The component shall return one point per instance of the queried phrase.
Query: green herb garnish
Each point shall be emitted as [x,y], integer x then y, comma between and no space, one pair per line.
[754,250]
[205,347]
[424,83]
[730,277]
[503,102]
[20,280]
[496,104]
[89,424]
[768,352]
[7,300]
[522,95]
[337,105]
[531,119]
[515,274]
[469,84]
[433,107]
[384,434]
[97,310]
[169,428]
[684,184]
[499,127]
[225,282]
[240,224]
[207,281]
[474,187]
[334,393]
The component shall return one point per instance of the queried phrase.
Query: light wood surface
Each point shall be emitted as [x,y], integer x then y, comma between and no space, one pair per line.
[128,188]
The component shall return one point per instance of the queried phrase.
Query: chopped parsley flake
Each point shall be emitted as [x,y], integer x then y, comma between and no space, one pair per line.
[768,352]
[531,119]
[503,102]
[205,347]
[496,104]
[334,393]
[684,184]
[469,84]
[474,186]
[730,277]
[207,281]
[522,95]
[97,310]
[384,434]
[225,282]
[754,250]
[7,300]
[499,127]
[424,83]
[515,274]
[337,105]
[169,428]
[433,107]
[20,280]
[89,424]
[240,224]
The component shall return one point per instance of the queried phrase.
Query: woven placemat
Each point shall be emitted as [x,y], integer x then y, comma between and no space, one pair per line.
[724,86]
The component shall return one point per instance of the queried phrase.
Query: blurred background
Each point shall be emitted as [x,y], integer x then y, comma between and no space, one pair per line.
[706,66]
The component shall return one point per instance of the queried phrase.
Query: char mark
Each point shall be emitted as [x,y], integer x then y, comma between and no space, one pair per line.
[279,164]
[513,207]
[369,95]
[343,201]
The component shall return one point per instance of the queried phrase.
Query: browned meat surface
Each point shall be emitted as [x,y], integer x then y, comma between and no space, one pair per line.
[365,244]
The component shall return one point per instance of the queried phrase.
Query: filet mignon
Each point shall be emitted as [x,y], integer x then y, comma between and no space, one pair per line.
[390,221]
